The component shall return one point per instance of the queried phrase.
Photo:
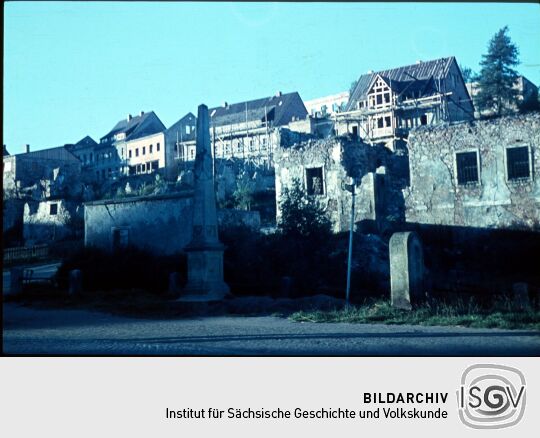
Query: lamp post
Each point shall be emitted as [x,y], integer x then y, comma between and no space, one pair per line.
[350,188]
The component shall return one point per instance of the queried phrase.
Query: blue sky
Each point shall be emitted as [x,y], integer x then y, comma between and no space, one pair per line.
[75,69]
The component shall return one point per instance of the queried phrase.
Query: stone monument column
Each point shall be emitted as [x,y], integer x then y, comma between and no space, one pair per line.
[205,251]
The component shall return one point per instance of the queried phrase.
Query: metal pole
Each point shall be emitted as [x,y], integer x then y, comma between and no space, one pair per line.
[349,262]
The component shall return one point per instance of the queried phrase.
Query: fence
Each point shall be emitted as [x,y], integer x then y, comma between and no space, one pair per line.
[25,253]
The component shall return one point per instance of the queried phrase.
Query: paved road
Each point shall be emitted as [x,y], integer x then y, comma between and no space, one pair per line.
[74,332]
[40,271]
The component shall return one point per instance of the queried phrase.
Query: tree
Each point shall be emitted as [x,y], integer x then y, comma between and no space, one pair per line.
[302,215]
[497,78]
[467,73]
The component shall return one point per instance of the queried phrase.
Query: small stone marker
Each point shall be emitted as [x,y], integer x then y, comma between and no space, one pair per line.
[16,280]
[406,270]
[520,292]
[75,282]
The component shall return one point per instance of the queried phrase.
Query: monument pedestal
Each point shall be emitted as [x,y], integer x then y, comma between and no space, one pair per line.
[205,274]
[205,252]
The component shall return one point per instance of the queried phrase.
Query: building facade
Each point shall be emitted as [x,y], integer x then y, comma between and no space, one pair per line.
[327,105]
[246,130]
[135,145]
[481,174]
[385,105]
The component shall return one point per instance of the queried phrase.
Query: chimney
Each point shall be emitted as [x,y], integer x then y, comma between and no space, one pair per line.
[370,72]
[278,94]
[27,148]
[225,104]
[419,61]
[142,113]
[129,117]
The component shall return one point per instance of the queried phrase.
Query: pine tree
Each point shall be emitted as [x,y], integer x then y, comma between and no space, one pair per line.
[496,78]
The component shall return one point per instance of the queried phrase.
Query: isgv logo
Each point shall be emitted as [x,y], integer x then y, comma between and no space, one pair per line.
[491,396]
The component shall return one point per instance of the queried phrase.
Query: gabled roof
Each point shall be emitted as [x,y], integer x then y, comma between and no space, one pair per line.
[138,126]
[178,127]
[279,109]
[83,143]
[401,77]
[59,153]
[86,142]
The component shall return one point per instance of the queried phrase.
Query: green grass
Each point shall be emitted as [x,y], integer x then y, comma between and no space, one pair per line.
[501,314]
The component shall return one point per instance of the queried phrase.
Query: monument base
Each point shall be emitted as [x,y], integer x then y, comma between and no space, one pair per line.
[205,275]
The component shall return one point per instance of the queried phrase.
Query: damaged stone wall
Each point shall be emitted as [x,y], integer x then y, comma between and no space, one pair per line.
[51,221]
[160,224]
[338,158]
[494,201]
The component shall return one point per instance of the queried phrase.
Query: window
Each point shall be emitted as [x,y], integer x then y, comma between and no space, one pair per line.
[387,121]
[91,157]
[314,181]
[355,131]
[136,152]
[120,238]
[379,99]
[150,148]
[380,122]
[467,167]
[53,209]
[517,163]
[386,97]
[144,150]
[192,154]
[157,147]
[187,130]
[130,154]
[423,119]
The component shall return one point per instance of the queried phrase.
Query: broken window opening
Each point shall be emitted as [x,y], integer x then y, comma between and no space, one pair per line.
[467,167]
[53,209]
[314,181]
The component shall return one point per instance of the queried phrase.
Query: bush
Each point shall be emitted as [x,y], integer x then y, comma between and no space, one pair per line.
[129,268]
[255,264]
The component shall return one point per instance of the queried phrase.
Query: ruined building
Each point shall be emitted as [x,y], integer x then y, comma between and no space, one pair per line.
[385,105]
[470,174]
[22,173]
[246,130]
[322,167]
[35,184]
[480,174]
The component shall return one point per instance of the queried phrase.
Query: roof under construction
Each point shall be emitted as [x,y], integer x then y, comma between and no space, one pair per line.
[401,78]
